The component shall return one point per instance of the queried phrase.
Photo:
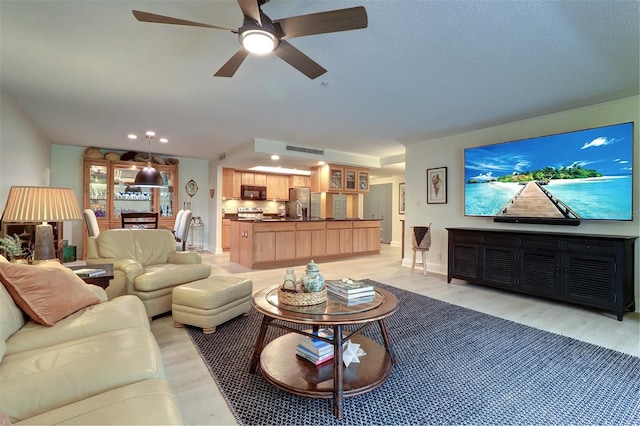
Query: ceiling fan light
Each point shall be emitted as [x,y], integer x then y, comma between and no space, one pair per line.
[259,42]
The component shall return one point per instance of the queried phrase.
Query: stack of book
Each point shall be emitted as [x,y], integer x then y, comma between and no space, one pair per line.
[353,291]
[89,272]
[315,350]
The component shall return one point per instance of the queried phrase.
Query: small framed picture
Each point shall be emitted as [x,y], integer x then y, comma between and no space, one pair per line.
[401,198]
[437,186]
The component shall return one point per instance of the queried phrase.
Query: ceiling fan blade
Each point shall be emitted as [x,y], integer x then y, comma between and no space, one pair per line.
[232,65]
[298,60]
[324,22]
[250,8]
[160,19]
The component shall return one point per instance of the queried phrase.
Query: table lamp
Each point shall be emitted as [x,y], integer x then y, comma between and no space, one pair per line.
[41,204]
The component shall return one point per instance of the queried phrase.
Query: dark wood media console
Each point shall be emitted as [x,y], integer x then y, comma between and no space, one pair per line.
[589,270]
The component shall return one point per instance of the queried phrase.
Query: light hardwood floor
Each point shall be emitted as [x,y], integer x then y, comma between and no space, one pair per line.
[202,402]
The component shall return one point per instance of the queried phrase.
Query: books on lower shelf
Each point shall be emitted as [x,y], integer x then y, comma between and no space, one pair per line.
[350,289]
[315,359]
[314,350]
[89,272]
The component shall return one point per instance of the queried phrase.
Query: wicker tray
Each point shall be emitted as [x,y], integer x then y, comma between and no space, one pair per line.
[298,298]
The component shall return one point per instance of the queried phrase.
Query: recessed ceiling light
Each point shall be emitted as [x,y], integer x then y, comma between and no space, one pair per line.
[275,157]
[164,140]
[132,136]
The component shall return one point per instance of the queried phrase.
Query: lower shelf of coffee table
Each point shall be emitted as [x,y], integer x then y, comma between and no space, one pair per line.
[281,367]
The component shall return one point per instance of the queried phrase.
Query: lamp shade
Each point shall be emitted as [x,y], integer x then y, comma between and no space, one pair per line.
[41,204]
[149,177]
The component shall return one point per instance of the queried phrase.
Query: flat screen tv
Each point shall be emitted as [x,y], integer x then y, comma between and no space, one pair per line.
[556,179]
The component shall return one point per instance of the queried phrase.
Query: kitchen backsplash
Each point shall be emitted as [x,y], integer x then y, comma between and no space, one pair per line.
[268,207]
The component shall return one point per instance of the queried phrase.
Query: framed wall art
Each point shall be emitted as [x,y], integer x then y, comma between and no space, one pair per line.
[437,186]
[401,198]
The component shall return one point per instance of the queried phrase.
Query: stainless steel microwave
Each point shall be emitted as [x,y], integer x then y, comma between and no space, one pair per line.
[249,192]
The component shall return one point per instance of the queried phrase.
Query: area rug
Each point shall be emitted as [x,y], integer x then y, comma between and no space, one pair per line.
[455,366]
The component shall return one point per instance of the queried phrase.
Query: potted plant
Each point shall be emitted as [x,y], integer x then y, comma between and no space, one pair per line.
[12,247]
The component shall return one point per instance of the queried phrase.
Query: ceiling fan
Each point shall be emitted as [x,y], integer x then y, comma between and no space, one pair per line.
[259,34]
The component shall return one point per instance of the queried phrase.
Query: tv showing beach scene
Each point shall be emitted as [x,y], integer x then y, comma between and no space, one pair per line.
[585,174]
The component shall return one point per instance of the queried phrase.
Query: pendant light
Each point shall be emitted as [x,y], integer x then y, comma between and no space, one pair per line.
[149,177]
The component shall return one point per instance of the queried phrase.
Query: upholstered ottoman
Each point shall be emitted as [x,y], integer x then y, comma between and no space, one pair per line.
[211,301]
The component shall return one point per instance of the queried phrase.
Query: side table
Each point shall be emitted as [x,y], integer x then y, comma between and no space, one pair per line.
[102,280]
[196,238]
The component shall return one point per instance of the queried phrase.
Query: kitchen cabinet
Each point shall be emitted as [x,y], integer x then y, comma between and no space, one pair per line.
[336,179]
[273,241]
[366,236]
[226,234]
[350,180]
[285,244]
[253,179]
[260,179]
[290,242]
[589,270]
[339,179]
[231,181]
[277,187]
[241,242]
[264,246]
[327,178]
[246,178]
[363,181]
[339,237]
[299,181]
[310,240]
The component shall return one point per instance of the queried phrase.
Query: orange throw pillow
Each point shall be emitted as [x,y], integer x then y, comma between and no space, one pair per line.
[46,294]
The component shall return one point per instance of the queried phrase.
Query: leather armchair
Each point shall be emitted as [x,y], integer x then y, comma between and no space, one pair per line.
[146,264]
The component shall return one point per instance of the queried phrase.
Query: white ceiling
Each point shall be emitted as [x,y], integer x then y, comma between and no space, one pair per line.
[88,73]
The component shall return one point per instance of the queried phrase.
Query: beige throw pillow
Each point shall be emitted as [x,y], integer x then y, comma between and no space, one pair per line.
[47,294]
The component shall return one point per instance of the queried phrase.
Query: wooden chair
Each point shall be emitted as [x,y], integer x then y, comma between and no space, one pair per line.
[421,242]
[139,220]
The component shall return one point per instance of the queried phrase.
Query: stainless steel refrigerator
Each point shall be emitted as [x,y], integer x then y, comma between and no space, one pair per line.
[303,204]
[299,204]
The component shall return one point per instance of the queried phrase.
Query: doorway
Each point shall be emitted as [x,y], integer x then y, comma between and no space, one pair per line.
[378,205]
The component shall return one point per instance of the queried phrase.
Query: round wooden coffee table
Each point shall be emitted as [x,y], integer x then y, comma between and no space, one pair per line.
[281,367]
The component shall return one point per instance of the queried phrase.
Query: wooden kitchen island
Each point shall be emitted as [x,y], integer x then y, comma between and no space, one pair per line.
[284,242]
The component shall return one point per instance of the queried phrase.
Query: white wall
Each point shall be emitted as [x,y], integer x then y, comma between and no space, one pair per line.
[196,169]
[65,172]
[24,150]
[396,225]
[449,152]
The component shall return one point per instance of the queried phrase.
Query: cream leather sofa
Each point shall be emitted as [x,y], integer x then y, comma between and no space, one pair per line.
[98,365]
[146,264]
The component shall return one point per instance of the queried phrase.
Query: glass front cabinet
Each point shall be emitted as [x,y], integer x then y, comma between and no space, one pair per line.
[109,191]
